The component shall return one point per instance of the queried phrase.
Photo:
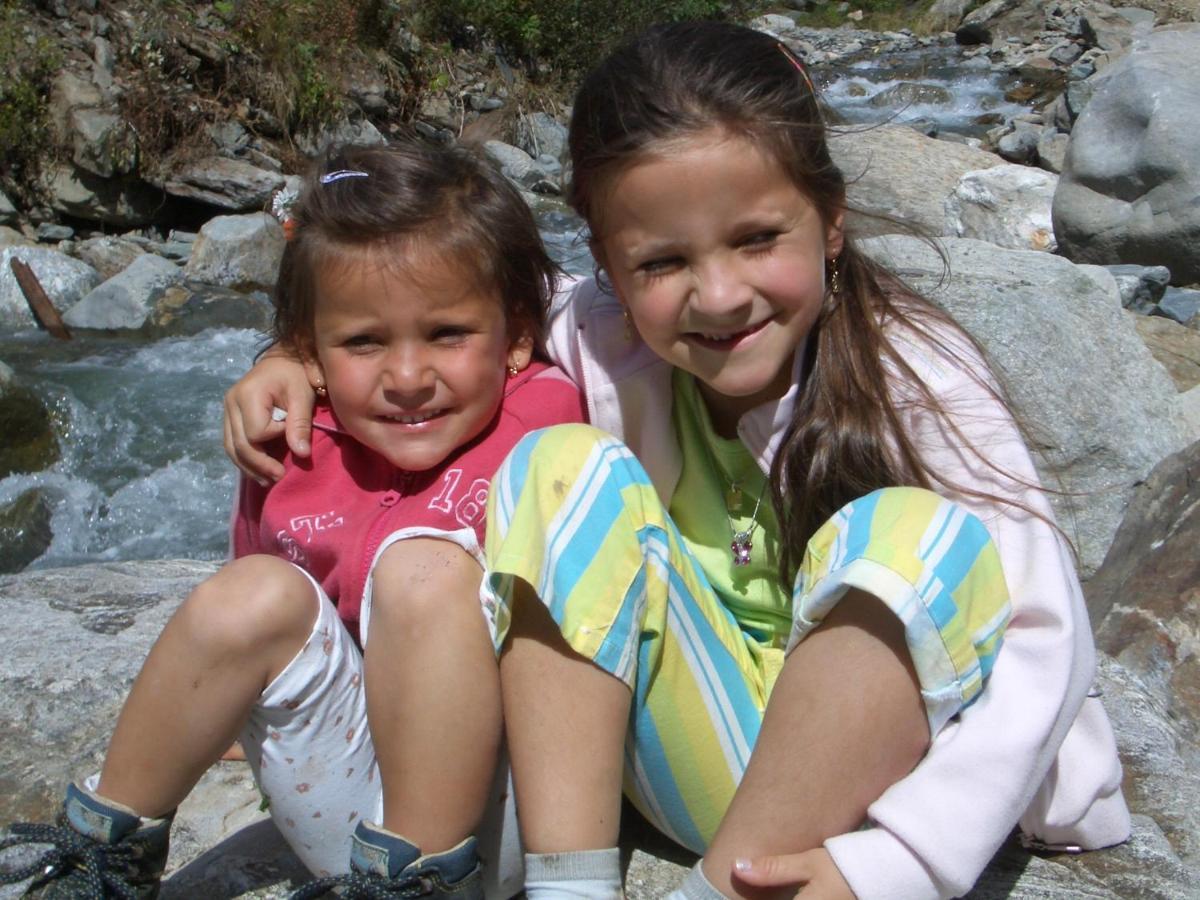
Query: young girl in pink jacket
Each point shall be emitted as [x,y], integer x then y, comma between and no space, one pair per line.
[346,645]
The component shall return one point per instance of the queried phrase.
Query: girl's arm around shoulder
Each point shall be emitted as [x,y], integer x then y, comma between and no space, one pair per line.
[934,831]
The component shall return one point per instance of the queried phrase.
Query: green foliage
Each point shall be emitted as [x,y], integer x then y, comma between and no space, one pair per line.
[29,63]
[561,37]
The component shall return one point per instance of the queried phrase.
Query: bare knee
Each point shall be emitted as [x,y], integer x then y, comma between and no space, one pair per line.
[423,586]
[251,604]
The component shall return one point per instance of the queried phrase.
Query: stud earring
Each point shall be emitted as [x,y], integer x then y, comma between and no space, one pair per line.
[321,390]
[628,322]
[513,371]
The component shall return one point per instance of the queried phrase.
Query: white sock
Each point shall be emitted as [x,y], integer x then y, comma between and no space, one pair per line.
[578,875]
[696,887]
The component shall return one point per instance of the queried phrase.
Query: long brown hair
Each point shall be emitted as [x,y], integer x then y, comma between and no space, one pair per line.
[845,438]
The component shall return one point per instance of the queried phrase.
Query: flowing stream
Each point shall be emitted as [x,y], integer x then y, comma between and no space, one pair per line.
[143,475]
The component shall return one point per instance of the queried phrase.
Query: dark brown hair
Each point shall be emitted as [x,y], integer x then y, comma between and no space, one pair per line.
[445,200]
[845,438]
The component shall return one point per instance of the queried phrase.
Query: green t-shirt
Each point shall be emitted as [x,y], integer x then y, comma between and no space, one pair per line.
[708,510]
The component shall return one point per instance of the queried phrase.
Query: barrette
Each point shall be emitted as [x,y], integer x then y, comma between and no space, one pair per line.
[338,175]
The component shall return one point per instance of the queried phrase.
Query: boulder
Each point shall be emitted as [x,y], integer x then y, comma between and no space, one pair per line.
[1141,287]
[241,252]
[512,161]
[1180,304]
[231,184]
[1175,346]
[103,143]
[1100,413]
[124,301]
[8,212]
[125,202]
[540,133]
[1006,205]
[24,530]
[65,280]
[893,171]
[30,444]
[191,307]
[1130,187]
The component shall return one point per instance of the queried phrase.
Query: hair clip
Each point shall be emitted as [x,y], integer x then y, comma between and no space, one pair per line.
[795,61]
[331,177]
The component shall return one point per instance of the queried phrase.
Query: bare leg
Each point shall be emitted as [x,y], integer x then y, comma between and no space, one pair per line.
[224,645]
[845,721]
[566,720]
[433,692]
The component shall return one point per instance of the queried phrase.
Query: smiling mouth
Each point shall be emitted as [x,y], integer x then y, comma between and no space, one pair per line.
[415,418]
[726,340]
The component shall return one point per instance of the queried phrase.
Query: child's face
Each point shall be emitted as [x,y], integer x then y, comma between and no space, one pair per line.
[720,260]
[414,356]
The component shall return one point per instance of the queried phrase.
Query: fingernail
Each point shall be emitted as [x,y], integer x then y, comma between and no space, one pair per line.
[742,864]
[262,482]
[302,446]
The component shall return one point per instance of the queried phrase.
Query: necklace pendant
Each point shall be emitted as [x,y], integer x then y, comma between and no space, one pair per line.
[741,546]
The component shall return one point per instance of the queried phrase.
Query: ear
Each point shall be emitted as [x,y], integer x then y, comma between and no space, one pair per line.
[312,370]
[835,234]
[520,351]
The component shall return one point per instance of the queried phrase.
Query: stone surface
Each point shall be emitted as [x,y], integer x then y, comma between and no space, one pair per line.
[64,279]
[895,172]
[108,255]
[1173,345]
[124,301]
[241,252]
[124,202]
[8,212]
[1006,205]
[1130,187]
[1141,287]
[24,530]
[1100,413]
[29,443]
[1180,304]
[1146,595]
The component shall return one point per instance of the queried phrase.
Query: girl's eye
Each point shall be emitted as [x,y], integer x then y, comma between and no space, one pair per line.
[450,333]
[657,267]
[359,342]
[760,240]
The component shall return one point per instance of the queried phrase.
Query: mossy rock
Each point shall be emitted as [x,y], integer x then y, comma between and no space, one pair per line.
[24,530]
[29,442]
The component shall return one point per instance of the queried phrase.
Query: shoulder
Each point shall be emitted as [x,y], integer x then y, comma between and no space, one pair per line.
[543,395]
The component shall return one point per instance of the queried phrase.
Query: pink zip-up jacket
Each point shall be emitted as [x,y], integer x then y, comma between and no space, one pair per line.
[1035,747]
[330,513]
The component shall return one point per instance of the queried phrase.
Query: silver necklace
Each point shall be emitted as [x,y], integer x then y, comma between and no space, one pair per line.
[741,544]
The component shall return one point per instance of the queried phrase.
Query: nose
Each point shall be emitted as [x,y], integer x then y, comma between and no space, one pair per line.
[406,373]
[719,290]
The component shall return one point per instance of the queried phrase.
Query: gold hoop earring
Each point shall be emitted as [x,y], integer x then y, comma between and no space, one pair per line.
[835,282]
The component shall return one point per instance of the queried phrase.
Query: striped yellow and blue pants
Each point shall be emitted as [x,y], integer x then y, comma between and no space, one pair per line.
[573,514]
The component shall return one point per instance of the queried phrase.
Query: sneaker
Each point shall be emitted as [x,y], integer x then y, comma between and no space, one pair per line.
[97,850]
[383,864]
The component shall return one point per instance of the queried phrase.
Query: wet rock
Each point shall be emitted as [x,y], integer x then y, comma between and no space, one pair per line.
[123,302]
[1130,188]
[226,183]
[8,212]
[894,171]
[1007,205]
[909,93]
[1101,413]
[30,444]
[1141,286]
[64,279]
[1173,345]
[191,307]
[241,252]
[1019,145]
[24,530]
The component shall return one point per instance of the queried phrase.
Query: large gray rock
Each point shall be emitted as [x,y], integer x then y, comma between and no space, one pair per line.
[1130,187]
[241,252]
[540,133]
[65,280]
[895,172]
[190,308]
[1099,408]
[125,202]
[1006,205]
[227,183]
[108,255]
[125,300]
